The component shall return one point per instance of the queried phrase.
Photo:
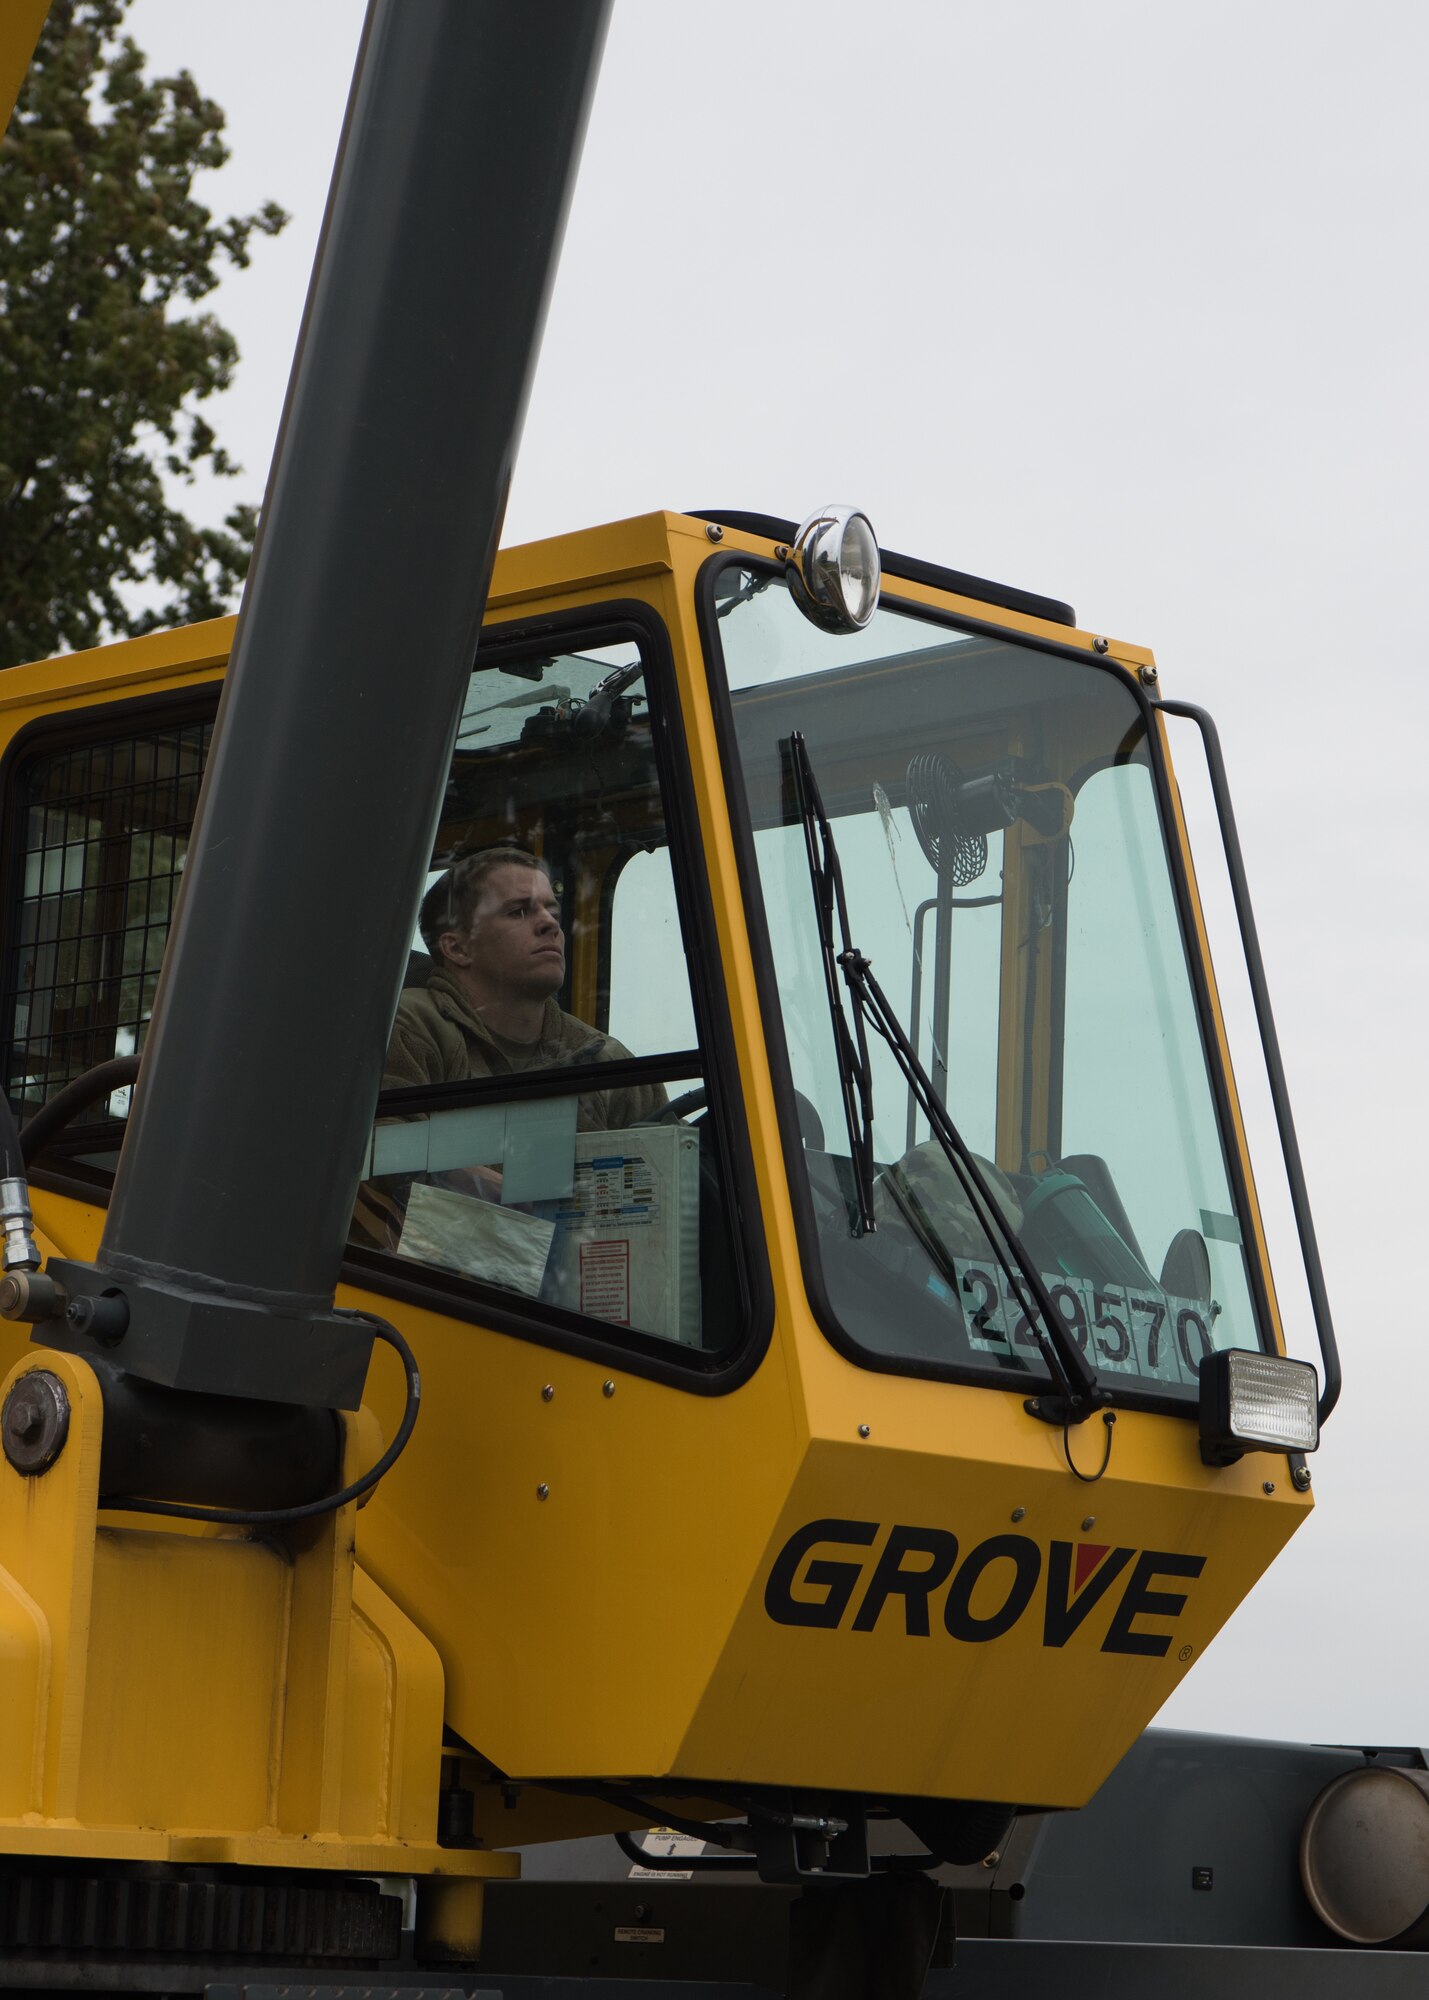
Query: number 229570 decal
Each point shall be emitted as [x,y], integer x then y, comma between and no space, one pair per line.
[1127,1330]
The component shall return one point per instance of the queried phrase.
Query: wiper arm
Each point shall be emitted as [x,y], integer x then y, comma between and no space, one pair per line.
[850,1047]
[754,588]
[1074,1374]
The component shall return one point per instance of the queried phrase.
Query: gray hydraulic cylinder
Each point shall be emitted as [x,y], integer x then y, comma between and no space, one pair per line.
[358,628]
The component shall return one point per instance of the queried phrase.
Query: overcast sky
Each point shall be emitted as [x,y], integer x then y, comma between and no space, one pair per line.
[1121,303]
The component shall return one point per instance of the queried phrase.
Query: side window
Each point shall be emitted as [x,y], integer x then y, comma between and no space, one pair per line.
[545,1129]
[545,1133]
[102,833]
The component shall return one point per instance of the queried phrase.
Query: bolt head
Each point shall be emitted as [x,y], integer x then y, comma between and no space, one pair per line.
[34,1422]
[865,1430]
[1019,1513]
[543,1491]
[1147,676]
[607,1388]
[714,531]
[548,1390]
[1089,1523]
[1268,1486]
[1101,645]
[27,1417]
[1300,1478]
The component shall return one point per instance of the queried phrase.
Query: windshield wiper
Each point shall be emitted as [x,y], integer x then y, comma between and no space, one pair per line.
[850,1046]
[1073,1373]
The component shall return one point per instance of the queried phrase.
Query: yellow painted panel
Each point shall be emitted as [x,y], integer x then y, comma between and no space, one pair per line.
[572,1630]
[20,25]
[54,1567]
[24,1688]
[392,1733]
[593,559]
[181,658]
[178,1718]
[1037,1712]
[366,1763]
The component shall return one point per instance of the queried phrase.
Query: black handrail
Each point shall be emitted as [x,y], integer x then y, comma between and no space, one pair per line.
[1270,1042]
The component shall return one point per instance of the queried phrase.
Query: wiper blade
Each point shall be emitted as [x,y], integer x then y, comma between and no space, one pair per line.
[1074,1374]
[850,1046]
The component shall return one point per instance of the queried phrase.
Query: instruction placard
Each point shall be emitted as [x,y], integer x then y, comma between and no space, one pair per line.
[627,1241]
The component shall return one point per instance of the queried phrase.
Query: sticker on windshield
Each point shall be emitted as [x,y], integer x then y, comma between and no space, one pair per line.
[1138,1330]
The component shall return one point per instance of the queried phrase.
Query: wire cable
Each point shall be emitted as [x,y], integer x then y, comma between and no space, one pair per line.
[628,1800]
[1089,1478]
[280,1516]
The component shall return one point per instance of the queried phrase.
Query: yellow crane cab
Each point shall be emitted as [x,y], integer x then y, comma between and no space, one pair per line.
[852,1369]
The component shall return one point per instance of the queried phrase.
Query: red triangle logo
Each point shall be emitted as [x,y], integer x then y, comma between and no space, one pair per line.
[1089,1554]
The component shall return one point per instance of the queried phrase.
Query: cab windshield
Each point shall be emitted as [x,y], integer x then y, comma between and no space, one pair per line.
[1006,872]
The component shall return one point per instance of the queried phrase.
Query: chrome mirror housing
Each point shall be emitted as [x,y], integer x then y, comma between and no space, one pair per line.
[834,569]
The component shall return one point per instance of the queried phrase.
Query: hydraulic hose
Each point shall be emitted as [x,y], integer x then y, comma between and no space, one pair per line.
[61,1108]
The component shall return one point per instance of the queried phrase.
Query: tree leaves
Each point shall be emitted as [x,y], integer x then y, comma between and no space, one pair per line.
[103,251]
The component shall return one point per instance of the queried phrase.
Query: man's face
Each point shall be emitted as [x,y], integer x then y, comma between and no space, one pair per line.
[513,948]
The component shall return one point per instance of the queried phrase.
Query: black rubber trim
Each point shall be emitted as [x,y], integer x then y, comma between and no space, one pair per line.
[1270,1045]
[560,1080]
[771,1013]
[1005,595]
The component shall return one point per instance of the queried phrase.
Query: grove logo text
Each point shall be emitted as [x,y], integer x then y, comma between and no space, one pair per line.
[987,1592]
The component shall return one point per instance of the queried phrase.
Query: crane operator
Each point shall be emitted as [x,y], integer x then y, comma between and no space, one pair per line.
[492,925]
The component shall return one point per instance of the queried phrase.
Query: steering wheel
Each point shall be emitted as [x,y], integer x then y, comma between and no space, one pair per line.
[811,1126]
[680,1107]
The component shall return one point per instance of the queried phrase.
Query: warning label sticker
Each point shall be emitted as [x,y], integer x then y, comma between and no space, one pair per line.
[605,1280]
[664,1841]
[619,1187]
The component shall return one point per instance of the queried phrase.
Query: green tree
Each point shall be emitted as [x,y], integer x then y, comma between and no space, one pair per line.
[102,246]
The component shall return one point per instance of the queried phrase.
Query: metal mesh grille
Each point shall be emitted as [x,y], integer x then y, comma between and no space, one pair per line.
[104,832]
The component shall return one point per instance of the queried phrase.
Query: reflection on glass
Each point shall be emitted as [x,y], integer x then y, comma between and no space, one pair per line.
[1007,876]
[604,1224]
[549,942]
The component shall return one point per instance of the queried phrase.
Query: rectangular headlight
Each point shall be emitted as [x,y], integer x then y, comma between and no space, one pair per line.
[1257,1402]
